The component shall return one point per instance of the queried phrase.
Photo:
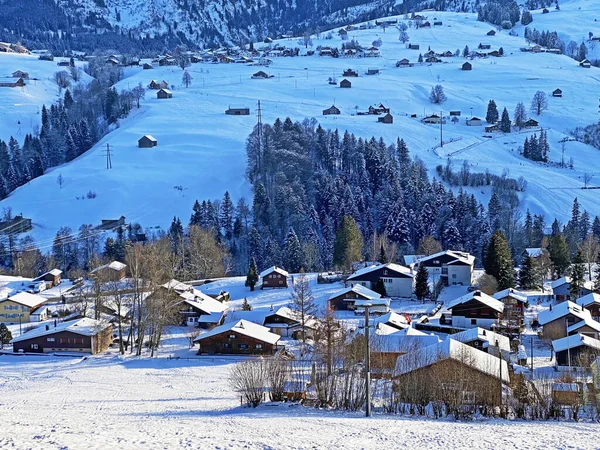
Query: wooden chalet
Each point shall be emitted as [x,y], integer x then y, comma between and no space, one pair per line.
[11,84]
[484,46]
[376,110]
[440,370]
[561,289]
[17,308]
[51,278]
[403,63]
[238,111]
[350,73]
[372,71]
[147,66]
[345,84]
[274,277]
[238,338]
[157,85]
[200,310]
[260,75]
[114,271]
[577,350]
[559,318]
[557,93]
[491,33]
[20,74]
[586,64]
[451,266]
[467,66]
[591,302]
[545,11]
[474,122]
[345,300]
[164,93]
[388,118]
[79,336]
[515,303]
[476,309]
[434,118]
[331,110]
[398,280]
[147,141]
[531,123]
[494,128]
[485,340]
[287,323]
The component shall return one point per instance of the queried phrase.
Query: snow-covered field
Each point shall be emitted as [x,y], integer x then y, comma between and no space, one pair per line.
[201,154]
[127,403]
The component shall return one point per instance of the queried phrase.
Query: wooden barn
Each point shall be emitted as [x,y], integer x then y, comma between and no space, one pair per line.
[238,111]
[388,118]
[147,141]
[80,336]
[331,110]
[274,277]
[346,84]
[557,93]
[164,93]
[238,338]
[51,278]
[20,74]
[467,66]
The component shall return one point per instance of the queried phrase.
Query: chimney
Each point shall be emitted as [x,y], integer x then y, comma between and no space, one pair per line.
[47,327]
[241,324]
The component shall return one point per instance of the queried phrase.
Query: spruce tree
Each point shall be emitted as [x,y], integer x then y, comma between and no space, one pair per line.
[348,244]
[559,254]
[292,253]
[380,288]
[499,262]
[252,277]
[529,275]
[505,122]
[422,283]
[246,306]
[577,276]
[5,335]
[492,112]
[382,255]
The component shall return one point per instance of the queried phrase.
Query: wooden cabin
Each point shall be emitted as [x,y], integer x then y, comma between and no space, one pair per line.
[147,141]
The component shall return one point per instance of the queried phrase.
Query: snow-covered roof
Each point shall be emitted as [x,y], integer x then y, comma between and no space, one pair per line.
[574,341]
[587,321]
[244,327]
[167,91]
[510,292]
[588,300]
[534,252]
[275,269]
[150,137]
[394,319]
[560,282]
[115,265]
[85,327]
[411,259]
[213,317]
[473,334]
[462,257]
[395,267]
[373,302]
[365,292]
[202,301]
[481,297]
[561,310]
[389,339]
[26,299]
[288,313]
[455,350]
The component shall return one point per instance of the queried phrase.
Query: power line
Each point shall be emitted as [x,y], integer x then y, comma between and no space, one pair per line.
[108,154]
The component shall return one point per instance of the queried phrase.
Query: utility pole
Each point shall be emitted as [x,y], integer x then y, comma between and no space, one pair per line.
[531,341]
[108,159]
[441,121]
[367,363]
[500,364]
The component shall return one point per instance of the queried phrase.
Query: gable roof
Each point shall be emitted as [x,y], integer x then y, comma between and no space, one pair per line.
[115,265]
[149,137]
[561,310]
[275,269]
[589,285]
[365,292]
[463,257]
[510,292]
[574,341]
[395,319]
[85,327]
[53,272]
[26,299]
[389,339]
[455,350]
[480,297]
[587,321]
[405,271]
[245,328]
[588,299]
[477,333]
[287,313]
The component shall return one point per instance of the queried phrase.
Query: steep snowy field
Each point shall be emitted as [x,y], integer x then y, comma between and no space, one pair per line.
[126,403]
[201,154]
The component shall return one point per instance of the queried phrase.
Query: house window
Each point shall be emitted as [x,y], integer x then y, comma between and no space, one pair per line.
[436,261]
[280,281]
[468,397]
[258,346]
[453,275]
[225,345]
[34,346]
[50,339]
[243,346]
[473,321]
[232,336]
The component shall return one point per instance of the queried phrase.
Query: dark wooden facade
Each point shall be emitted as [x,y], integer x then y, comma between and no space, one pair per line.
[338,303]
[164,93]
[388,118]
[147,142]
[49,278]
[274,280]
[345,84]
[474,309]
[66,341]
[232,343]
[582,356]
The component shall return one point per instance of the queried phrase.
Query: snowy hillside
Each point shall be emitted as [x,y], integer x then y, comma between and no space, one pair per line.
[200,152]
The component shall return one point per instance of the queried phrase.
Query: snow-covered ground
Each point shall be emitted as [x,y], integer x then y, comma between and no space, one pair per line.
[200,152]
[127,403]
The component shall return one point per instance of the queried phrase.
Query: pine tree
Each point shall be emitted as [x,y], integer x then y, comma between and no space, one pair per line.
[597,277]
[577,276]
[5,335]
[559,254]
[380,288]
[499,262]
[292,252]
[422,283]
[246,306]
[348,244]
[252,277]
[196,217]
[529,275]
[505,122]
[492,112]
[226,216]
[382,254]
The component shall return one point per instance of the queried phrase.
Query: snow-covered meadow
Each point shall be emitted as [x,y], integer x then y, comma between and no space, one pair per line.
[200,152]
